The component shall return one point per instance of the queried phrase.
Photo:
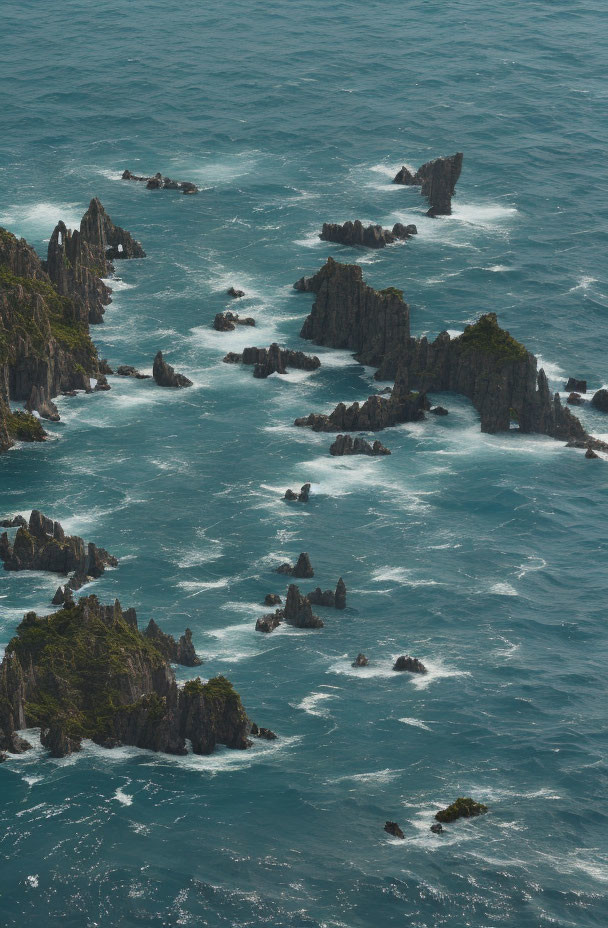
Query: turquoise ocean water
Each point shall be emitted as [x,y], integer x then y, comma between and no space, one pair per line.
[482,555]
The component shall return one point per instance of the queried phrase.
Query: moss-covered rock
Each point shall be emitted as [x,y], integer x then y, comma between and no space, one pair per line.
[461,808]
[487,336]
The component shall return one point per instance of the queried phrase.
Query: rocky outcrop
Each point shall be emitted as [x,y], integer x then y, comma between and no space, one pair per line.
[360,661]
[600,400]
[166,376]
[272,599]
[335,599]
[265,733]
[485,363]
[377,412]
[13,522]
[393,829]
[102,384]
[410,664]
[438,180]
[345,444]
[268,623]
[348,314]
[228,321]
[355,233]
[273,360]
[576,386]
[439,411]
[590,453]
[298,611]
[302,569]
[88,672]
[127,370]
[574,399]
[234,293]
[38,402]
[301,497]
[43,545]
[158,182]
[178,652]
[437,828]
[461,808]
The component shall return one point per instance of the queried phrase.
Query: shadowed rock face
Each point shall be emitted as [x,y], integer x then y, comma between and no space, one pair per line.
[167,376]
[273,360]
[43,545]
[228,321]
[345,444]
[355,233]
[438,180]
[485,363]
[178,652]
[88,672]
[298,611]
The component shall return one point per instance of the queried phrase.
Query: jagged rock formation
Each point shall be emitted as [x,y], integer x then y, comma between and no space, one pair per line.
[600,400]
[43,545]
[39,403]
[228,321]
[345,444]
[236,294]
[272,599]
[127,370]
[178,652]
[88,672]
[335,599]
[302,569]
[102,384]
[15,522]
[302,497]
[77,260]
[273,360]
[461,808]
[355,233]
[437,829]
[298,611]
[349,314]
[439,411]
[410,664]
[590,453]
[484,363]
[576,386]
[268,623]
[158,182]
[166,376]
[360,661]
[393,829]
[265,733]
[438,180]
[377,412]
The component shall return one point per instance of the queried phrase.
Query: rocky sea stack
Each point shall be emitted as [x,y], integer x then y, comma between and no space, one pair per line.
[273,360]
[43,545]
[166,376]
[438,180]
[355,233]
[88,672]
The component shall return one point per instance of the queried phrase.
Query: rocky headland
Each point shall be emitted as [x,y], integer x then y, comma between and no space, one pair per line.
[158,182]
[273,360]
[437,179]
[88,672]
[355,233]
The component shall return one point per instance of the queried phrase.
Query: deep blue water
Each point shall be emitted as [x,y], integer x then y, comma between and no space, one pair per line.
[482,555]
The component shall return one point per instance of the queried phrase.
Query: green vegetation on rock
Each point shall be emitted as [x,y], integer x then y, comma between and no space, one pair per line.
[461,808]
[23,426]
[486,335]
[392,291]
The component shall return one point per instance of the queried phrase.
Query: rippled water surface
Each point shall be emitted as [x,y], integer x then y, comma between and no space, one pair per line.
[482,555]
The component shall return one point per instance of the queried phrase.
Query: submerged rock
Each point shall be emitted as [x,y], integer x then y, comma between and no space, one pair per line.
[438,180]
[355,233]
[392,828]
[88,672]
[411,664]
[438,411]
[345,444]
[158,182]
[461,808]
[166,376]
[360,661]
[127,370]
[228,321]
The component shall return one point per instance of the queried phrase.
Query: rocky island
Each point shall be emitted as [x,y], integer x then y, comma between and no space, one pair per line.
[485,363]
[355,233]
[158,182]
[437,179]
[88,672]
[273,360]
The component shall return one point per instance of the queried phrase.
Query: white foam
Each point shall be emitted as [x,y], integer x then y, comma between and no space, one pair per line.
[124,798]
[32,880]
[313,704]
[36,219]
[583,283]
[375,668]
[415,723]
[485,215]
[194,587]
[503,589]
[401,575]
[377,776]
[553,371]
